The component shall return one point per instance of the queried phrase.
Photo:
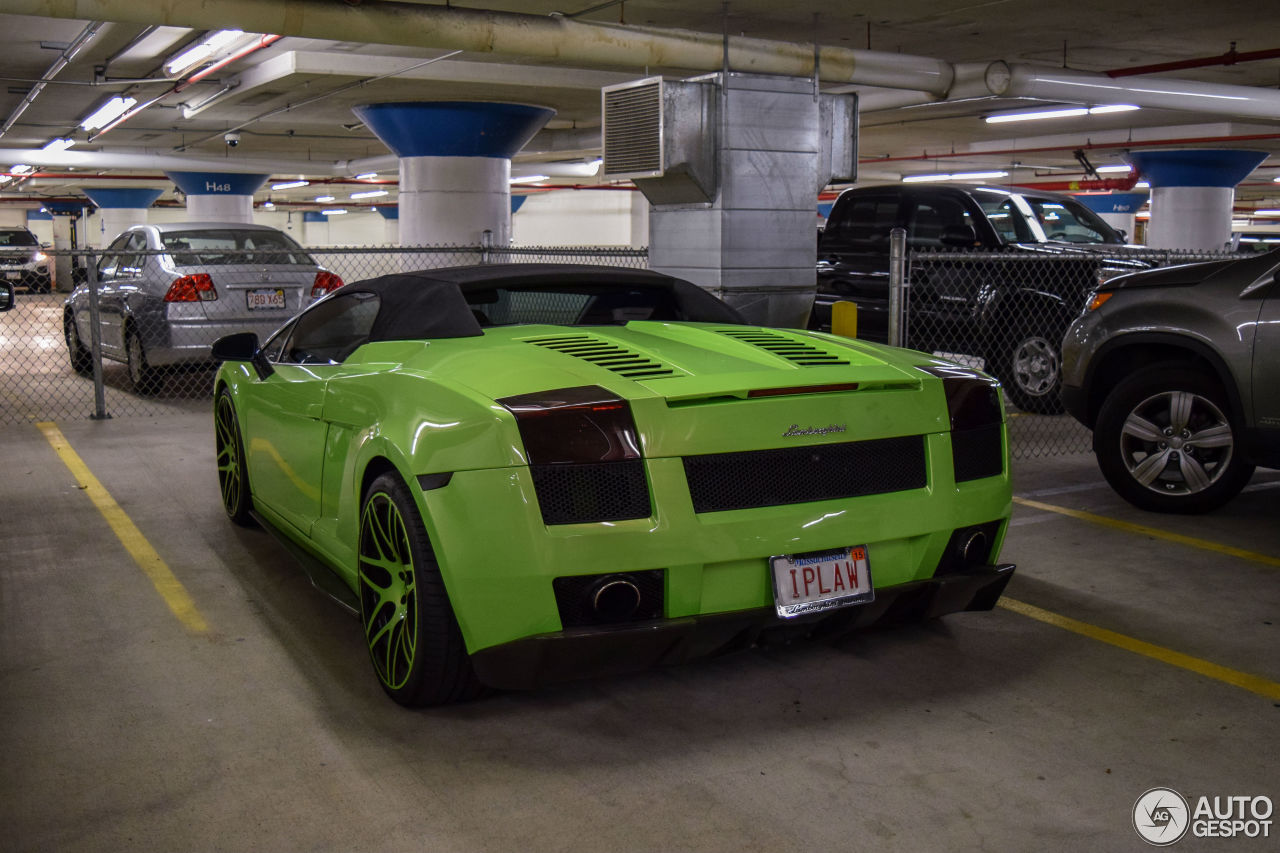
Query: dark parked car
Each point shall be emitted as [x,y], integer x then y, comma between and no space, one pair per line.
[1176,372]
[167,292]
[1011,313]
[21,260]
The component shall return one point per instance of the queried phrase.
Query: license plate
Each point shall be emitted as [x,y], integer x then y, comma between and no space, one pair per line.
[807,583]
[265,298]
[12,274]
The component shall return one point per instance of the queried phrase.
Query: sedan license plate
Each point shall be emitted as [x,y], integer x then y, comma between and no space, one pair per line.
[808,583]
[264,298]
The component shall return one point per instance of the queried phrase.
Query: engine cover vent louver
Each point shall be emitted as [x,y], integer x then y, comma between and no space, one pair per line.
[789,348]
[606,355]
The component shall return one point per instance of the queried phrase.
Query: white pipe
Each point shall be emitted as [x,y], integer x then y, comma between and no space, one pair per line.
[1081,87]
[568,41]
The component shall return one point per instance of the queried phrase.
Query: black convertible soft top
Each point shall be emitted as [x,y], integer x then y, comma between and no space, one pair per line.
[432,304]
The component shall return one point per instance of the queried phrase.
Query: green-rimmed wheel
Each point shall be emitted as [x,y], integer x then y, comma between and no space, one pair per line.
[414,642]
[233,475]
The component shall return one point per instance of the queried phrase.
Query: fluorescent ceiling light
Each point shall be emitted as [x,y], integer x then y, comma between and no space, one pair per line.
[19,169]
[1058,112]
[289,185]
[367,176]
[1266,213]
[1276,179]
[269,204]
[202,51]
[334,211]
[1102,170]
[954,176]
[324,199]
[369,194]
[529,179]
[4,179]
[108,112]
[1142,185]
[61,144]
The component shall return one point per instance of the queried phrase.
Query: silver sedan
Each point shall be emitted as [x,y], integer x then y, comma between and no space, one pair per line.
[166,292]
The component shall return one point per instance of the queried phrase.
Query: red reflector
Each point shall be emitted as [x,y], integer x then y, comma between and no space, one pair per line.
[326,282]
[192,288]
[803,389]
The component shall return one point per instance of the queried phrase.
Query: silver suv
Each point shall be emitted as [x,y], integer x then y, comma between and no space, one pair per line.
[1177,372]
[22,261]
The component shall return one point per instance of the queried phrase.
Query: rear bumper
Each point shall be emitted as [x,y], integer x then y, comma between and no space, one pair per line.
[593,652]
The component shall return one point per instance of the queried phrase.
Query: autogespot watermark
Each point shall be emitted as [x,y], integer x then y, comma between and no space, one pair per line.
[1162,817]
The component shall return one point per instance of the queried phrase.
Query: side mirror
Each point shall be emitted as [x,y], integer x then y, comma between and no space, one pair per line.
[960,236]
[6,296]
[242,346]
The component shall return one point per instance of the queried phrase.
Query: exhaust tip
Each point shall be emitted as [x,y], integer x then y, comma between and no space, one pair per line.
[615,599]
[974,548]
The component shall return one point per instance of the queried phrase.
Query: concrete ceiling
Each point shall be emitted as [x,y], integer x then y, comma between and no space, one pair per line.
[292,99]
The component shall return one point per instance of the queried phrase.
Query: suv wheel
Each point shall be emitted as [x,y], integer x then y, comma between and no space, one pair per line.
[1166,442]
[1029,365]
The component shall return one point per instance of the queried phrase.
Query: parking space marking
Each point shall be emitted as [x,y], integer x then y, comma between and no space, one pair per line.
[1234,677]
[153,566]
[1142,529]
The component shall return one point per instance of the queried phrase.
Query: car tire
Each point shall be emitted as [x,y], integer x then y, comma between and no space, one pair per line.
[1029,366]
[233,470]
[413,638]
[1166,441]
[81,358]
[144,377]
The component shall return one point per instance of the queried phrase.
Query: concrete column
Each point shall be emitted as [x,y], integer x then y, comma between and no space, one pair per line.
[1192,194]
[218,196]
[455,166]
[391,224]
[1119,210]
[65,237]
[118,209]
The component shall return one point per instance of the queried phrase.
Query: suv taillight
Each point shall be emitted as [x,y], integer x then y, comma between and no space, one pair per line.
[583,453]
[326,282]
[192,288]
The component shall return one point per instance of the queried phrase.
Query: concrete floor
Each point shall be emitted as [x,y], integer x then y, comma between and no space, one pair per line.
[123,731]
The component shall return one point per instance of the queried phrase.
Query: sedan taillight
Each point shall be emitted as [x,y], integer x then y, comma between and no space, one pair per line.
[192,288]
[326,282]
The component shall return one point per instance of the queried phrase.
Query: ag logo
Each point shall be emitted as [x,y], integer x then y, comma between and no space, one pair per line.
[1161,816]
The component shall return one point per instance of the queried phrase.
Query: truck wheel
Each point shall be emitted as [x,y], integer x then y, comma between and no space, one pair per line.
[1029,366]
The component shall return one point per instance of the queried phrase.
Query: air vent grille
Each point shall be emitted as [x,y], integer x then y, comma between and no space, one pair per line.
[604,354]
[793,350]
[633,129]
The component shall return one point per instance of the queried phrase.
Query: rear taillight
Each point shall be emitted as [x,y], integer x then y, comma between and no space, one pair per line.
[326,282]
[192,288]
[584,424]
[584,455]
[977,417]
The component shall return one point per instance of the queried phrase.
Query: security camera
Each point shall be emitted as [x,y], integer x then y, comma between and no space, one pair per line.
[232,139]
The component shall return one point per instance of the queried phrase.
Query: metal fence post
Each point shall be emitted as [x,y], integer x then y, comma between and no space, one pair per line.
[95,339]
[486,246]
[897,286]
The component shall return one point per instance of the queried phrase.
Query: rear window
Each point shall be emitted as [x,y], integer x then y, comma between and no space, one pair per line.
[862,222]
[573,306]
[20,237]
[224,247]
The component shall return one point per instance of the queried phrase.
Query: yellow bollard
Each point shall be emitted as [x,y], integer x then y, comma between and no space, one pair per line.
[844,319]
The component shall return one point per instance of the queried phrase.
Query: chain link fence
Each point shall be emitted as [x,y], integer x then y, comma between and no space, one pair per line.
[158,312]
[1007,312]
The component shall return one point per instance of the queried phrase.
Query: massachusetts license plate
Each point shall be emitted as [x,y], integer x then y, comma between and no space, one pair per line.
[807,583]
[264,298]
[14,274]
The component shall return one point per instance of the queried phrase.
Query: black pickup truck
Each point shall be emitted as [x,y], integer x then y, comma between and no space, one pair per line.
[1038,256]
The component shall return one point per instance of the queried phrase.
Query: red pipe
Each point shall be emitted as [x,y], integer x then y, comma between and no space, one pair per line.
[222,63]
[1231,57]
[1123,184]
[1088,146]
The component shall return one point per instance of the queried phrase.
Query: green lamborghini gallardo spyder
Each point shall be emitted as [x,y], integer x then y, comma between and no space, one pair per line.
[523,474]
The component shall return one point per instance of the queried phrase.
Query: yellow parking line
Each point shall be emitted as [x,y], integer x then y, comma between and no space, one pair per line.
[153,566]
[1252,683]
[1129,527]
